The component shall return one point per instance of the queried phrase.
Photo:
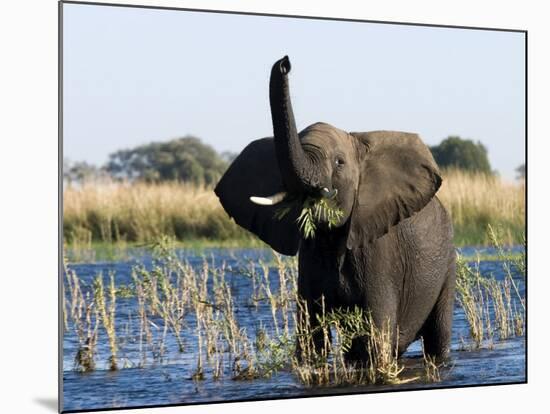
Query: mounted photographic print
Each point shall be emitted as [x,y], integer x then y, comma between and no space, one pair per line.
[262,207]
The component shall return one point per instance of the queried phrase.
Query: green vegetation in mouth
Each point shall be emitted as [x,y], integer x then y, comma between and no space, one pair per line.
[314,210]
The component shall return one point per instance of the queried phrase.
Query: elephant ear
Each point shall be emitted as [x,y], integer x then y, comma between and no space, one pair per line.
[398,178]
[255,172]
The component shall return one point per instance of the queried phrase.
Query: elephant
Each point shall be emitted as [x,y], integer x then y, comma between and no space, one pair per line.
[390,253]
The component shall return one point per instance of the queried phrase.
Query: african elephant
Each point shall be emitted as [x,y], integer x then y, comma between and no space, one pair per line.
[390,252]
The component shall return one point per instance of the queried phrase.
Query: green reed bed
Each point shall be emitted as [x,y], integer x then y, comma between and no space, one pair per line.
[183,311]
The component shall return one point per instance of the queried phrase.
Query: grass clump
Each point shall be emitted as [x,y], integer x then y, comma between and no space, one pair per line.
[107,314]
[432,371]
[336,333]
[84,318]
[494,308]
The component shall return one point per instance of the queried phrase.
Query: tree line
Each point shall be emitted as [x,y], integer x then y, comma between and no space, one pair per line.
[188,159]
[185,159]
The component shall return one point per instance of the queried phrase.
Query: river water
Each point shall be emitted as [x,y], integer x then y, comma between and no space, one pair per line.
[168,380]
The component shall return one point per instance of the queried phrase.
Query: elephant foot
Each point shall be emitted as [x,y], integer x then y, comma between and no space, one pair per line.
[358,353]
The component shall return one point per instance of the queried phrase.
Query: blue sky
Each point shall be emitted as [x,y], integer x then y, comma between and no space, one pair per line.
[133,76]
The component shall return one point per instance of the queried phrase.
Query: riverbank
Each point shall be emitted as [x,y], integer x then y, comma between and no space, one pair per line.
[123,213]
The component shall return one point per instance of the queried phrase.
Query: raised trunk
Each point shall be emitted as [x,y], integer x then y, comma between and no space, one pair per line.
[294,164]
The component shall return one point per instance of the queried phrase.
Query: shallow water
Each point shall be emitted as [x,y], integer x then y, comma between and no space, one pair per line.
[167,380]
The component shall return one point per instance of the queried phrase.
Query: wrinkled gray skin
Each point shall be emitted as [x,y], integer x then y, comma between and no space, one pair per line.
[391,253]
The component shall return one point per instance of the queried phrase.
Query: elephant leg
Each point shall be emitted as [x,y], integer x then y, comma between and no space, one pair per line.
[437,329]
[358,352]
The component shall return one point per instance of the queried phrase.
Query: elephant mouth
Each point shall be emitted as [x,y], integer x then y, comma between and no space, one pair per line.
[320,211]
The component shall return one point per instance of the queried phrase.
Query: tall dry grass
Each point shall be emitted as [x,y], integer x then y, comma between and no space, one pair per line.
[477,200]
[140,212]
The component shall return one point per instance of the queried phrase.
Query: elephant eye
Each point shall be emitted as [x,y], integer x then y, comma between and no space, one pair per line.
[339,161]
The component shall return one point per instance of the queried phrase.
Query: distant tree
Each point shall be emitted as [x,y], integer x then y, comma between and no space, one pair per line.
[66,167]
[186,159]
[520,172]
[81,171]
[464,154]
[229,156]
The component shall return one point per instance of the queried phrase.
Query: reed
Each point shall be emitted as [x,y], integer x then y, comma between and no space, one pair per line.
[474,300]
[107,314]
[84,319]
[145,335]
[431,367]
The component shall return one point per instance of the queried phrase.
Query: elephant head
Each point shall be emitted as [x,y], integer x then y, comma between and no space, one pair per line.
[375,178]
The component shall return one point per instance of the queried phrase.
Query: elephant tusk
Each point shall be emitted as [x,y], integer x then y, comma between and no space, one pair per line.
[270,200]
[326,193]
